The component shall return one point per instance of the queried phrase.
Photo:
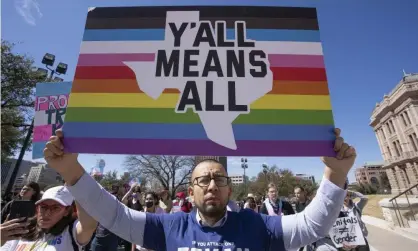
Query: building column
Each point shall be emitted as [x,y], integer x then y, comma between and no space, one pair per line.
[393,180]
[400,174]
[413,115]
[380,143]
[412,174]
[399,131]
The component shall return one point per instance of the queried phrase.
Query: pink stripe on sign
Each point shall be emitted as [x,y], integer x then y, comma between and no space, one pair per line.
[113,59]
[42,133]
[298,61]
[51,102]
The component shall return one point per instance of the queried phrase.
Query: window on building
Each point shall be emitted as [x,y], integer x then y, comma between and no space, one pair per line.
[383,133]
[389,129]
[407,118]
[396,149]
[403,120]
[412,142]
[390,154]
[391,125]
[399,146]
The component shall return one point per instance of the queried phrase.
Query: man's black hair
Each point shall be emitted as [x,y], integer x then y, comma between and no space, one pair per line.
[208,161]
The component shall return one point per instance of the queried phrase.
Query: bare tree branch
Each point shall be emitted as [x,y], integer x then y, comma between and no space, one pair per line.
[170,171]
[15,125]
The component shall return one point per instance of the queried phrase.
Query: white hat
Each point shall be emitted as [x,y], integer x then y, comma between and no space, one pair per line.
[250,195]
[59,194]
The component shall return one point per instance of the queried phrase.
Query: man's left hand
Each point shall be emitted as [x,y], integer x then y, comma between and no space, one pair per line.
[338,167]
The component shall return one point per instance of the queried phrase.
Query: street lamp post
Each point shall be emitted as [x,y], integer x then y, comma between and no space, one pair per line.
[244,166]
[265,171]
[48,60]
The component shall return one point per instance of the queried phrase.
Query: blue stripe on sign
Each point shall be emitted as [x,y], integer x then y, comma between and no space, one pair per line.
[38,149]
[159,35]
[195,131]
[53,88]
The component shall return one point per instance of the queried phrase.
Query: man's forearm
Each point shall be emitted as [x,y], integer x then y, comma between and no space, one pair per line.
[317,218]
[338,178]
[72,175]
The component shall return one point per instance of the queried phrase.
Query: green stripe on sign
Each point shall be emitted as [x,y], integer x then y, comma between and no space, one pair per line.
[138,115]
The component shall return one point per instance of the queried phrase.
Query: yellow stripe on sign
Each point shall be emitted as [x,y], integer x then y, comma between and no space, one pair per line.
[169,100]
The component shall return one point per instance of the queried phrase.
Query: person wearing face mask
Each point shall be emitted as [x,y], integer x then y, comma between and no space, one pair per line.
[132,198]
[151,203]
[151,206]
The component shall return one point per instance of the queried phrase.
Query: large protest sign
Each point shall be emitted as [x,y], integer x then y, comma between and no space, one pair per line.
[347,231]
[212,80]
[50,108]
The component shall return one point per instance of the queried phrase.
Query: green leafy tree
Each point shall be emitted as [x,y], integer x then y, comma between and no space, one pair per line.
[284,180]
[238,192]
[110,178]
[18,82]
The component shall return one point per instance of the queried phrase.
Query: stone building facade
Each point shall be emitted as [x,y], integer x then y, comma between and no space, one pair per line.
[395,123]
[370,173]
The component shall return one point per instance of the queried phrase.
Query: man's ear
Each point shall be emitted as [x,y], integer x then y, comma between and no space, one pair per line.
[190,190]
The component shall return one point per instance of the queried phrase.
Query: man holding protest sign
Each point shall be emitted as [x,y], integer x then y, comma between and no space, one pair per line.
[211,226]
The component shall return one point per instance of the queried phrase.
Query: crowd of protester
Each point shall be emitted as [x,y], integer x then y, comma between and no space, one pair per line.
[64,215]
[85,216]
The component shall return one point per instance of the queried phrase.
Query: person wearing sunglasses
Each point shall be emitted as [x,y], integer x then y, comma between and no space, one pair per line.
[209,226]
[53,227]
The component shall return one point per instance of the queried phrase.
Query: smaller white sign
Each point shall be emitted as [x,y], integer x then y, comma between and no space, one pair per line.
[347,231]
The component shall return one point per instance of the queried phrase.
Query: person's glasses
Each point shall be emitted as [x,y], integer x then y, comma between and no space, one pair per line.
[53,209]
[204,181]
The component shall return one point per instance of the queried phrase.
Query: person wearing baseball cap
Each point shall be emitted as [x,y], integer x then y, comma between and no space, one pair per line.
[53,227]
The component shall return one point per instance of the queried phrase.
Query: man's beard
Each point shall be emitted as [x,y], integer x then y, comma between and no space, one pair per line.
[212,211]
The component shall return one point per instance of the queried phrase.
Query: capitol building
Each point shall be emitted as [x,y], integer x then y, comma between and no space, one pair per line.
[395,123]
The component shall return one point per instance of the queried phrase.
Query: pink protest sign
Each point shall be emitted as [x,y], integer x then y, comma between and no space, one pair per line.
[50,108]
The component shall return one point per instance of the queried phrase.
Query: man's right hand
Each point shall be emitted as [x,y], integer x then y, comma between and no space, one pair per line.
[65,164]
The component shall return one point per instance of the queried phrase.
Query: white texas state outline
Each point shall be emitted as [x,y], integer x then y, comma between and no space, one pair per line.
[217,124]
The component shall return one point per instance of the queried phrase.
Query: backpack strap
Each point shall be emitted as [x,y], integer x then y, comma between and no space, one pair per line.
[73,242]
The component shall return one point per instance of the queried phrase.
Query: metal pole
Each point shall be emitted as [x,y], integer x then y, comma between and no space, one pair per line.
[245,182]
[19,160]
[23,150]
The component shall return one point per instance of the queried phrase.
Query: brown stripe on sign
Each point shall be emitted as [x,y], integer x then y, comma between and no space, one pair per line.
[159,23]
[205,11]
[131,86]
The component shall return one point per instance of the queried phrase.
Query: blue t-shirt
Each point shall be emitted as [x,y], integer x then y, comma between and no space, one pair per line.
[244,230]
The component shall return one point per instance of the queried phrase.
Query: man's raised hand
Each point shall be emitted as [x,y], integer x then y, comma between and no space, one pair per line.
[338,167]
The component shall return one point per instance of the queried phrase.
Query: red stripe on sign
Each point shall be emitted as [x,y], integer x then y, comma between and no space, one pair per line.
[124,72]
